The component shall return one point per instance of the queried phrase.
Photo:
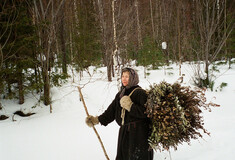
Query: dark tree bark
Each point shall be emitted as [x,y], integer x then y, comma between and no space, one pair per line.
[20,86]
[62,38]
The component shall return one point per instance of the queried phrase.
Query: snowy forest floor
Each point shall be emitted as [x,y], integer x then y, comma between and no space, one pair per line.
[63,134]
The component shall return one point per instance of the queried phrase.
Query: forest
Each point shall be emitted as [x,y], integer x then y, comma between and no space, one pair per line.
[40,40]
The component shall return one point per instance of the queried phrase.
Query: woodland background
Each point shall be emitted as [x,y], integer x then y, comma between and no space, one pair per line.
[41,39]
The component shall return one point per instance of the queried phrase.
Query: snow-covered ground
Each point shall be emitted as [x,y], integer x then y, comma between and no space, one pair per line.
[63,134]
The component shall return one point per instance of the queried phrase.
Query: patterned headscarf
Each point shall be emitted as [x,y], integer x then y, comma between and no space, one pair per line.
[133,80]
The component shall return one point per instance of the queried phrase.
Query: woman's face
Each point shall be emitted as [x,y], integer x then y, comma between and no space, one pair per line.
[125,78]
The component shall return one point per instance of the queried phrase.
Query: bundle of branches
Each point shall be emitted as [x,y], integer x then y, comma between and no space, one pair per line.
[175,114]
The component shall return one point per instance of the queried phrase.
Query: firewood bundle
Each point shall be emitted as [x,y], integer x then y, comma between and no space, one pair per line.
[175,114]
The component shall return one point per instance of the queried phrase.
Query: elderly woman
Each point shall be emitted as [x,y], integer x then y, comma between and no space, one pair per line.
[129,112]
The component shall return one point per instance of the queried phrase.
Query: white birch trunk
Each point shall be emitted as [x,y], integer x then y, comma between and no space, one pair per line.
[138,24]
[115,52]
[179,39]
[151,13]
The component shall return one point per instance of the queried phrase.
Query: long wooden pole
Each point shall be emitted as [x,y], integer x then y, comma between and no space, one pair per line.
[102,145]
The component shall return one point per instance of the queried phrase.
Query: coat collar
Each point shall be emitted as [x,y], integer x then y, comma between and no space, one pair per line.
[129,90]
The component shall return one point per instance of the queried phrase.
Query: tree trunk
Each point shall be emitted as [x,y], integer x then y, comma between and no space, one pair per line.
[21,89]
[207,80]
[8,82]
[225,33]
[36,77]
[116,67]
[152,22]
[63,47]
[161,21]
[138,24]
[109,67]
[1,56]
[178,37]
[46,85]
[157,19]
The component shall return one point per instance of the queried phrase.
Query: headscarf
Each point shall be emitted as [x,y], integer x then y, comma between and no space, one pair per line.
[133,80]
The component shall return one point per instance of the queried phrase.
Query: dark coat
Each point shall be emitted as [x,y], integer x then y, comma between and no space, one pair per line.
[133,135]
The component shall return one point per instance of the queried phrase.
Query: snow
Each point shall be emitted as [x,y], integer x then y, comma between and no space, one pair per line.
[63,133]
[164,45]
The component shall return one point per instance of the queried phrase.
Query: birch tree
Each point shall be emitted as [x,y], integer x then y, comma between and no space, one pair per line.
[46,11]
[209,20]
[104,10]
[116,58]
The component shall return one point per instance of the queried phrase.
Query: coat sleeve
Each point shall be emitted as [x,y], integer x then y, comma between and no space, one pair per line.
[109,114]
[138,108]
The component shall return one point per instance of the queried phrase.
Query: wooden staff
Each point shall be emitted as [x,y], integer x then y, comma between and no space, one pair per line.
[102,145]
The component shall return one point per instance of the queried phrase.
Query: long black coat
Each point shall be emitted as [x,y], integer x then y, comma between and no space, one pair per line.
[133,135]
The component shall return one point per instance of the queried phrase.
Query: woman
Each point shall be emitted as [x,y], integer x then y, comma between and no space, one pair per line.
[129,112]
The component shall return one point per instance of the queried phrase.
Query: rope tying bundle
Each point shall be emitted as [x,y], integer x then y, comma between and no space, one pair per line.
[123,110]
